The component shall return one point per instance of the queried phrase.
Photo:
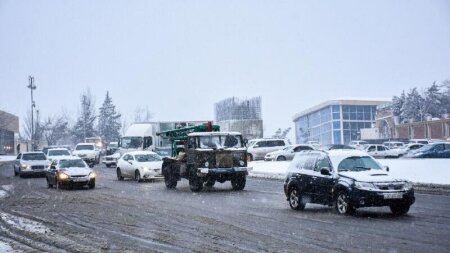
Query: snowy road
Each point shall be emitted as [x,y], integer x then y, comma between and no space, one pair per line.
[145,217]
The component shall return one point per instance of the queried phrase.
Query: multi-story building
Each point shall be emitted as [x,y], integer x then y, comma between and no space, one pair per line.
[240,115]
[336,121]
[9,126]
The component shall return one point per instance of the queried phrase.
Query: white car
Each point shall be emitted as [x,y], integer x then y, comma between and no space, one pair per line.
[70,171]
[57,152]
[111,160]
[287,153]
[30,163]
[139,165]
[421,141]
[258,148]
[361,145]
[408,148]
[393,144]
[88,152]
[381,151]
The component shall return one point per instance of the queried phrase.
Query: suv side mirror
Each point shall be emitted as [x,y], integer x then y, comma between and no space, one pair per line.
[386,168]
[325,171]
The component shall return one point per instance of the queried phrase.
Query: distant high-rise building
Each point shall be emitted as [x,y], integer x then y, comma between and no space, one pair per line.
[240,115]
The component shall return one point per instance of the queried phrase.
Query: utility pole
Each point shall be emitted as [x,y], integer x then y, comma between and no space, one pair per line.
[84,118]
[32,87]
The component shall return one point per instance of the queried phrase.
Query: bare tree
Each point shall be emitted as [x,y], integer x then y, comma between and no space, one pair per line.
[56,129]
[142,114]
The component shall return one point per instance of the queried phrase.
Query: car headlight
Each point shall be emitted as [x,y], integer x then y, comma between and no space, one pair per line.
[206,164]
[63,176]
[24,166]
[242,163]
[407,186]
[92,175]
[144,168]
[365,186]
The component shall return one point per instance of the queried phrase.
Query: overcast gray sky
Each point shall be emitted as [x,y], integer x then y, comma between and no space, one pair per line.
[180,57]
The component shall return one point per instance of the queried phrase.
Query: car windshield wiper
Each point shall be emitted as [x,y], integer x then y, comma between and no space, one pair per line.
[343,170]
[361,167]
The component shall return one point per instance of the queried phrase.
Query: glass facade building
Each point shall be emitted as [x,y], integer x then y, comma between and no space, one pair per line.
[335,122]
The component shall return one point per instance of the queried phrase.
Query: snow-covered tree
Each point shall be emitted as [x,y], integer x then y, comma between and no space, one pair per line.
[397,104]
[84,126]
[281,134]
[109,122]
[432,100]
[445,96]
[413,107]
[55,129]
[142,114]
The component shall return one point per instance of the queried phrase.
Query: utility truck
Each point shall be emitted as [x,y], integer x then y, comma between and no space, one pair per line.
[204,155]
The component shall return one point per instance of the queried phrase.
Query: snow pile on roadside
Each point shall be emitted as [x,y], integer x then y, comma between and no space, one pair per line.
[24,224]
[433,171]
[7,158]
[3,194]
[4,247]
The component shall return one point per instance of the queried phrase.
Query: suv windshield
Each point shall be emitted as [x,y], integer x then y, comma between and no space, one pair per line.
[85,147]
[58,152]
[33,157]
[78,163]
[148,158]
[220,141]
[358,163]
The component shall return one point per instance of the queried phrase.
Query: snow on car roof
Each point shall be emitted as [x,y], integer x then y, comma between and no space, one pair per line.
[140,152]
[85,143]
[213,133]
[57,149]
[337,155]
[33,152]
[67,157]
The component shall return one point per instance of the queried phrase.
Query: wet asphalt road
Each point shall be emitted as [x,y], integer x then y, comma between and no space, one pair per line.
[125,216]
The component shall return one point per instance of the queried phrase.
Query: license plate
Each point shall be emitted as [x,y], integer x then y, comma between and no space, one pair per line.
[79,179]
[393,195]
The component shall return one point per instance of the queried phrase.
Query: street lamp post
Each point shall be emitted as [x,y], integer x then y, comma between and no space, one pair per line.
[32,87]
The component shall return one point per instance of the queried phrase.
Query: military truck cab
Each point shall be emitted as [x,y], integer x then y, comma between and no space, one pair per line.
[209,157]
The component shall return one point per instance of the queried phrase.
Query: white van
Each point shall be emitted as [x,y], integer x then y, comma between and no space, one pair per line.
[139,136]
[258,148]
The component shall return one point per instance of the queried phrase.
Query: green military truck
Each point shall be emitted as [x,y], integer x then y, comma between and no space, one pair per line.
[204,155]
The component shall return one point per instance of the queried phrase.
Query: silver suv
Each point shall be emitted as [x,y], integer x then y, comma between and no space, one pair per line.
[258,148]
[29,163]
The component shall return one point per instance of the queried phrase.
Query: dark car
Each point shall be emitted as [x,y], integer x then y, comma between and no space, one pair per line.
[434,150]
[70,171]
[347,179]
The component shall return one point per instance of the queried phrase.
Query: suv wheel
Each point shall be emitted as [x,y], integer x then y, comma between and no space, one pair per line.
[342,203]
[238,183]
[195,183]
[281,158]
[210,183]
[399,209]
[295,199]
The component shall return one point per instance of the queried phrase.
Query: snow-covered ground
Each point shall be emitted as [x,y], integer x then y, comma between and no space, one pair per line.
[7,158]
[434,171]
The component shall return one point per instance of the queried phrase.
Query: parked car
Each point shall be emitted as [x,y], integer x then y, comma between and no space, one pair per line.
[111,160]
[421,141]
[56,152]
[70,171]
[335,146]
[314,144]
[408,148]
[393,144]
[287,153]
[139,165]
[359,144]
[30,163]
[434,150]
[45,149]
[88,152]
[258,148]
[381,151]
[345,179]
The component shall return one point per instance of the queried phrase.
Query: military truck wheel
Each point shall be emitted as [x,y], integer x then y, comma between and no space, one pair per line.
[195,183]
[210,183]
[238,183]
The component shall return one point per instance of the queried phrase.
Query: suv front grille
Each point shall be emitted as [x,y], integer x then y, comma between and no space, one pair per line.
[389,186]
[37,167]
[224,160]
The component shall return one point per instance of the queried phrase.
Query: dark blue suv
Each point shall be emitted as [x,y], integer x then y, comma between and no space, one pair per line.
[434,150]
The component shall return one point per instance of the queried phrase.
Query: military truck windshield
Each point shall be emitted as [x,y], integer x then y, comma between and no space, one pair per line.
[131,142]
[75,163]
[33,157]
[357,163]
[220,141]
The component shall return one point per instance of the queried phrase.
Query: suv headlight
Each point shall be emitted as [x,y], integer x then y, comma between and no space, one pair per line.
[365,186]
[407,186]
[92,175]
[24,166]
